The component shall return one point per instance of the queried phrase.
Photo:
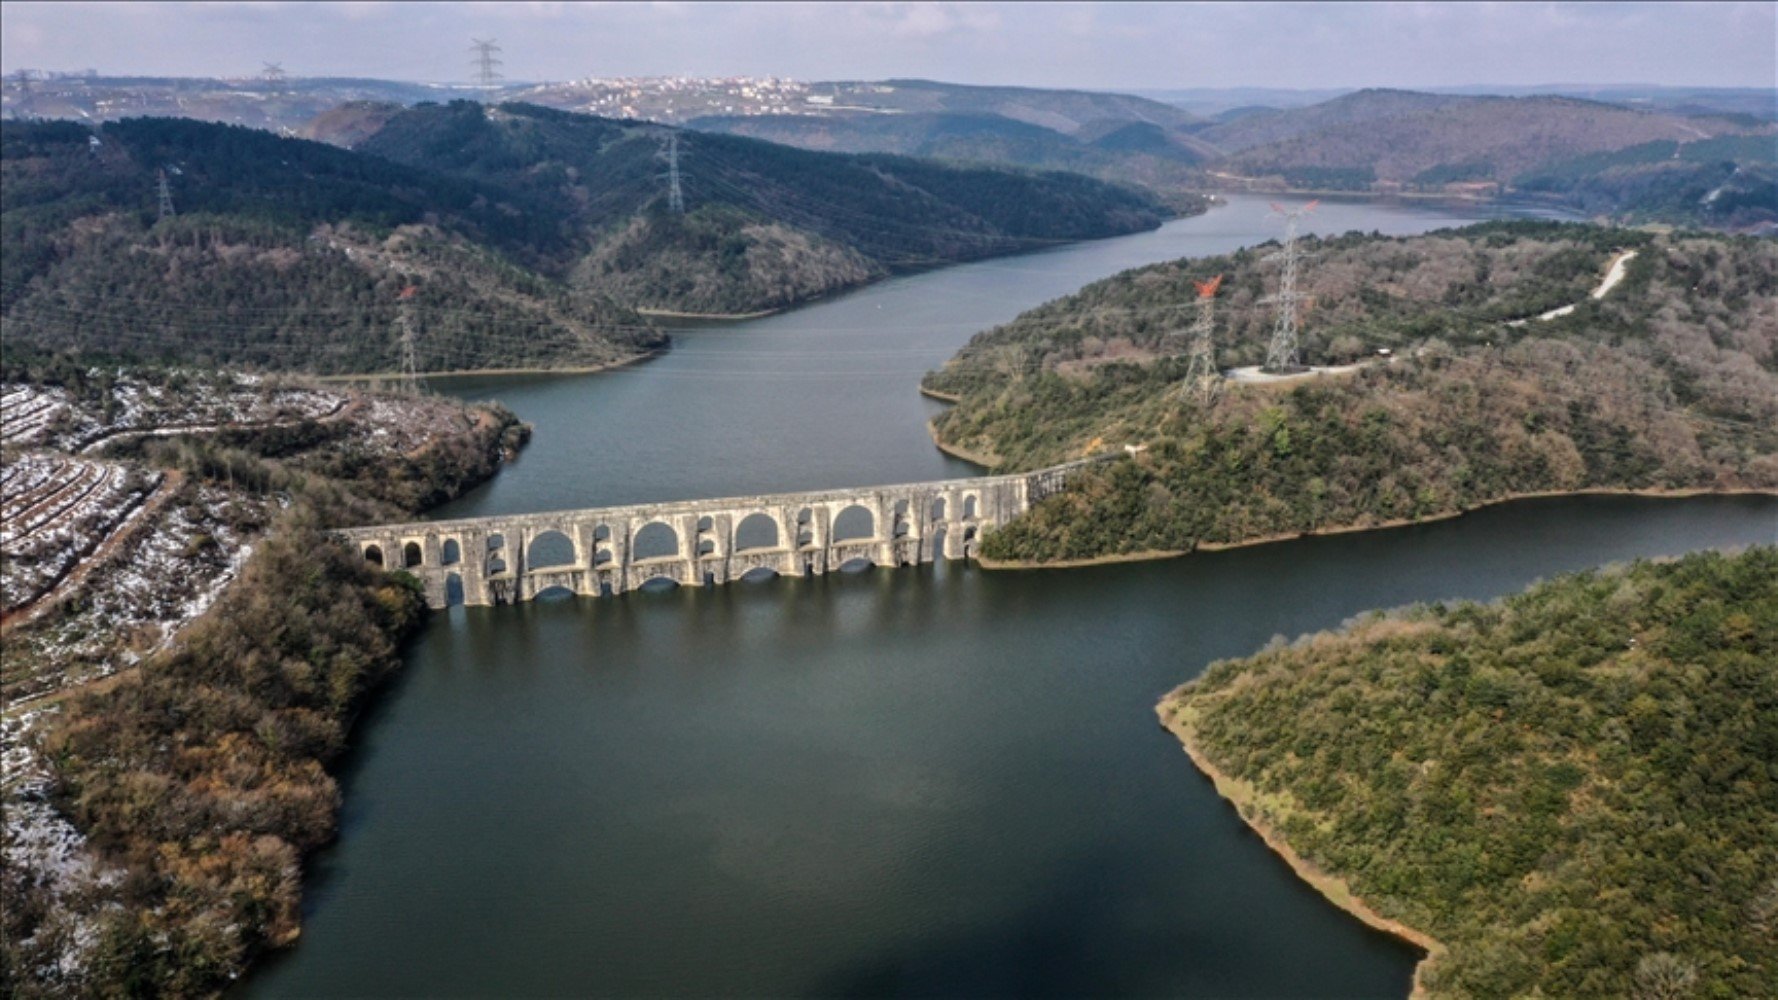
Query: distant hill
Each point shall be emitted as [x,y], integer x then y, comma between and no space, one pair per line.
[1122,150]
[1601,158]
[764,225]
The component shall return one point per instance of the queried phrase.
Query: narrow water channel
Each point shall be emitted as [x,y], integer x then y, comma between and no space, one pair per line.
[934,781]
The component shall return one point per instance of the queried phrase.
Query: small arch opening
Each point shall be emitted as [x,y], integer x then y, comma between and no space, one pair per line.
[411,555]
[549,549]
[706,523]
[938,544]
[496,541]
[602,533]
[936,512]
[601,557]
[969,507]
[373,554]
[706,546]
[656,539]
[452,553]
[453,589]
[756,531]
[852,523]
[496,565]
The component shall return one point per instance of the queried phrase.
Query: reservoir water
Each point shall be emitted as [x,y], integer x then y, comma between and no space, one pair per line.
[935,781]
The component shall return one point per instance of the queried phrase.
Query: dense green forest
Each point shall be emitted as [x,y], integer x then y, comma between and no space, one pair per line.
[764,225]
[1573,790]
[202,777]
[1669,382]
[281,254]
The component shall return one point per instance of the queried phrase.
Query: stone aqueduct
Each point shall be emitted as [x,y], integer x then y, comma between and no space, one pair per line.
[610,550]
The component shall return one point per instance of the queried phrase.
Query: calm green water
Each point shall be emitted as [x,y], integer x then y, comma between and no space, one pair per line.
[912,782]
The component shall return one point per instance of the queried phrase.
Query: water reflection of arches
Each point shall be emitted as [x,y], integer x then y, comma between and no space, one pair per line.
[656,539]
[756,531]
[854,522]
[549,548]
[451,554]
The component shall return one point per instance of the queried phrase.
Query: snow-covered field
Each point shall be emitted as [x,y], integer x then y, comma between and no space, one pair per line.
[54,511]
[57,417]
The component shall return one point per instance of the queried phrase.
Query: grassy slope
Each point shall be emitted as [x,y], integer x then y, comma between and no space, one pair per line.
[1572,790]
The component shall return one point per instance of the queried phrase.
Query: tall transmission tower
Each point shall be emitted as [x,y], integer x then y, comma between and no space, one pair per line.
[163,189]
[1282,355]
[675,193]
[274,76]
[404,319]
[486,73]
[25,103]
[1203,380]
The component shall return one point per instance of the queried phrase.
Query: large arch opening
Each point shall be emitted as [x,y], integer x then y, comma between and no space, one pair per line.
[373,554]
[550,548]
[453,589]
[555,592]
[852,523]
[756,531]
[655,540]
[969,507]
[411,555]
[758,574]
[938,543]
[901,524]
[655,584]
[936,512]
[857,564]
[451,554]
[969,543]
[805,528]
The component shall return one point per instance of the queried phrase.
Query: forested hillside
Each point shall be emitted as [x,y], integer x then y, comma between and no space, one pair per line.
[764,225]
[1572,790]
[1670,382]
[280,253]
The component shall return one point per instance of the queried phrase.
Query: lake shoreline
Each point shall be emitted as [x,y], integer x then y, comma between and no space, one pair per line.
[485,372]
[1152,554]
[1240,795]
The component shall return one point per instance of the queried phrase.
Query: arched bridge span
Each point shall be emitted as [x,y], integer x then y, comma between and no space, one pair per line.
[596,551]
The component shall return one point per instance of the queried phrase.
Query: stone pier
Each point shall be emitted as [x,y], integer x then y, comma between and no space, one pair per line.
[611,550]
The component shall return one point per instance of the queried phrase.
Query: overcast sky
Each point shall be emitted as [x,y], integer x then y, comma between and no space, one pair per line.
[1097,46]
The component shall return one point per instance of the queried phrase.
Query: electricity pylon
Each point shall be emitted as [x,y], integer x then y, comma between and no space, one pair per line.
[675,193]
[164,191]
[1282,355]
[485,73]
[1203,380]
[404,318]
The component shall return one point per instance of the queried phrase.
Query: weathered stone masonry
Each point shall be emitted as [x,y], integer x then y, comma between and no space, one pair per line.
[702,541]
